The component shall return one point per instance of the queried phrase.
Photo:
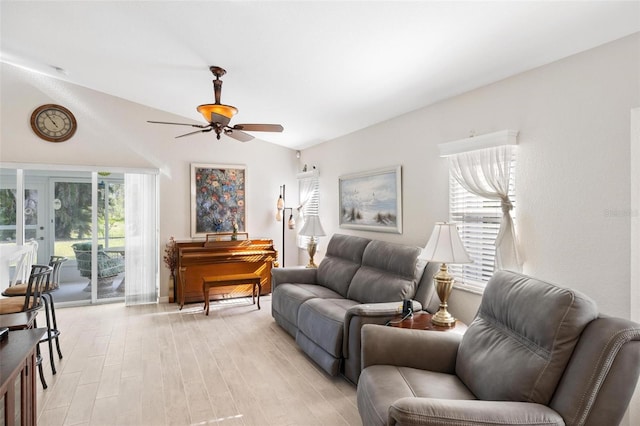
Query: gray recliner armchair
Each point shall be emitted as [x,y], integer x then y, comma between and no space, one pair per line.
[534,354]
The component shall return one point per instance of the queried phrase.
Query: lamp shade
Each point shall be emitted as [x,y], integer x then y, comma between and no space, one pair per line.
[225,110]
[445,245]
[312,227]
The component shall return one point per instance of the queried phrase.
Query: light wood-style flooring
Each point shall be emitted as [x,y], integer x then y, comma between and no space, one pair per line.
[156,365]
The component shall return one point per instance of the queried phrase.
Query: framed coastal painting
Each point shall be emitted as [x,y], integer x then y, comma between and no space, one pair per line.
[218,199]
[372,200]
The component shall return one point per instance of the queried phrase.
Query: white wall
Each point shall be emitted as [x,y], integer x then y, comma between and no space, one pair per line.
[113,132]
[573,178]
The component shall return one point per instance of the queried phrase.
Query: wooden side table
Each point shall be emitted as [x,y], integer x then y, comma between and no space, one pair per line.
[422,321]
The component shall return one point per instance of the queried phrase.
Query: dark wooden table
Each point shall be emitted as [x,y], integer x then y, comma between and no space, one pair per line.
[422,321]
[18,320]
[17,374]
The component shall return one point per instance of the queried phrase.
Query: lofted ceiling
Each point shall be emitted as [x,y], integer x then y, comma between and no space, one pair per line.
[322,69]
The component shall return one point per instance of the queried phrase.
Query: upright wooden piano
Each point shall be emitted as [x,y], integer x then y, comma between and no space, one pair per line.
[197,259]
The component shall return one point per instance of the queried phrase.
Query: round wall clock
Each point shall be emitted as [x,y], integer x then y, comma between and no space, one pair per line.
[53,123]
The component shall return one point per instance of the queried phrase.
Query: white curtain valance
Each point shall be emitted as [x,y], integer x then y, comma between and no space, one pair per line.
[489,140]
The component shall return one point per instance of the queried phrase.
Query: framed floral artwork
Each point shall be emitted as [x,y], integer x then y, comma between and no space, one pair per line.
[218,199]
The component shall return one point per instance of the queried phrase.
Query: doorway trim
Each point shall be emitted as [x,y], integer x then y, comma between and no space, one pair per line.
[635,216]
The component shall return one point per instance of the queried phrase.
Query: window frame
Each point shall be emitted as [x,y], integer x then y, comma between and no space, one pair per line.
[312,207]
[468,211]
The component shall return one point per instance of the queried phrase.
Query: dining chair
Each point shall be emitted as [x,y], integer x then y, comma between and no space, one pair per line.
[31,302]
[49,286]
[24,262]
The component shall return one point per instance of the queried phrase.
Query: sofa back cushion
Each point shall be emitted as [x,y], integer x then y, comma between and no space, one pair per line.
[341,261]
[389,273]
[521,340]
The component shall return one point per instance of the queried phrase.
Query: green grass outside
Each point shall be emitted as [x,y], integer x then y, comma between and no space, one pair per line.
[63,247]
[116,239]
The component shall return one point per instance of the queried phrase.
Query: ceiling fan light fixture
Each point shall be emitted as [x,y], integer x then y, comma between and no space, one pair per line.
[225,110]
[218,116]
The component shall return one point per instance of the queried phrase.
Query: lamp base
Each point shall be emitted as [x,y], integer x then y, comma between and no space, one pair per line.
[444,284]
[311,249]
[443,318]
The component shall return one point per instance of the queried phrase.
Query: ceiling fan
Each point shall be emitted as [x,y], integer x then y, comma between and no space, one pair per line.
[219,115]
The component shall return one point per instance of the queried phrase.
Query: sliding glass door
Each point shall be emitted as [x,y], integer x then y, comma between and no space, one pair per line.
[104,223]
[74,231]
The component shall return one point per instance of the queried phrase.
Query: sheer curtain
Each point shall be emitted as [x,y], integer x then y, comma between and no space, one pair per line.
[141,239]
[486,173]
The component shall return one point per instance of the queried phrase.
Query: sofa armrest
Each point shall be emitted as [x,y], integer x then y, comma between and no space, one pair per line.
[293,275]
[369,313]
[431,411]
[387,309]
[425,350]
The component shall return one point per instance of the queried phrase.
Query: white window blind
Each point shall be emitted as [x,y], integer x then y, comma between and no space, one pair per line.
[309,193]
[478,222]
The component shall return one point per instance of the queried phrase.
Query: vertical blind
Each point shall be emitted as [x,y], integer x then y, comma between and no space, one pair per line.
[141,238]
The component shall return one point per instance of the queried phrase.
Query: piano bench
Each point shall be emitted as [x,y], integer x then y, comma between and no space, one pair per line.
[228,280]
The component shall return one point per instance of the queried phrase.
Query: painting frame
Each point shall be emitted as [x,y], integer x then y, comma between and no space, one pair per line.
[359,206]
[218,198]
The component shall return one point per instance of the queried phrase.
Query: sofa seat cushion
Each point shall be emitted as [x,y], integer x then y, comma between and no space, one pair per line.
[380,386]
[322,321]
[287,298]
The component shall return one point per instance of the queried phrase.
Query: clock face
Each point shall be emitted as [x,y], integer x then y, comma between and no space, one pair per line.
[53,123]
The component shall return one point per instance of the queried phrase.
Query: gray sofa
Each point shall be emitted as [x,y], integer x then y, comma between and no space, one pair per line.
[359,281]
[535,354]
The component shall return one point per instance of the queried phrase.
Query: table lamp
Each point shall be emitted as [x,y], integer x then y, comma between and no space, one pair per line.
[312,228]
[444,246]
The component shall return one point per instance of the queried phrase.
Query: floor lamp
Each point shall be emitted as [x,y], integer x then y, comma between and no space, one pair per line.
[291,223]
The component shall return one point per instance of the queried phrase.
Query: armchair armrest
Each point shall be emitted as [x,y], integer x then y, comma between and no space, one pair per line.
[293,275]
[430,411]
[370,313]
[425,350]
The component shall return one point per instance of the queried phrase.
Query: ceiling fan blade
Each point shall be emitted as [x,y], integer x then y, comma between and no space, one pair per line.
[208,129]
[201,126]
[238,135]
[259,127]
[219,118]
